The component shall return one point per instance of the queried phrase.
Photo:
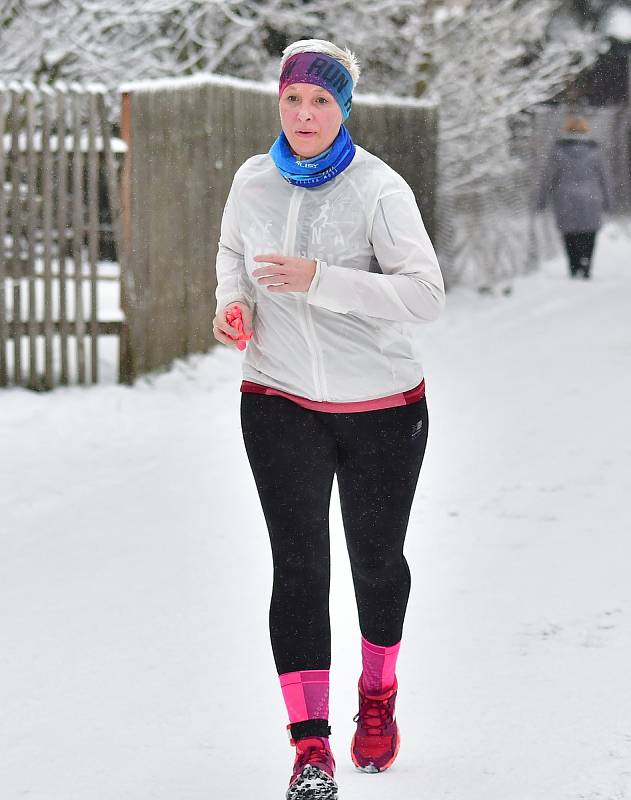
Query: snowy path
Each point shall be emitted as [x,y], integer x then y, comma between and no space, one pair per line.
[134,574]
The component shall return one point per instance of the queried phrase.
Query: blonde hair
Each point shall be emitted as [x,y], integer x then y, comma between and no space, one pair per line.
[346,57]
[576,124]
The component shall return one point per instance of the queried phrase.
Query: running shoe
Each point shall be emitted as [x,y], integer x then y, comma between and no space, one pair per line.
[376,741]
[314,768]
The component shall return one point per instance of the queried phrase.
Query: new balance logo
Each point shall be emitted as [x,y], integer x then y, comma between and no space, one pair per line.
[418,427]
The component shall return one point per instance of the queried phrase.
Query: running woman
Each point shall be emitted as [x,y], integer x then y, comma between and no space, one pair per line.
[324,253]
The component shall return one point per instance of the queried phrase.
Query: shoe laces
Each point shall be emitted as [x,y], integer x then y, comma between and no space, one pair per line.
[312,751]
[375,715]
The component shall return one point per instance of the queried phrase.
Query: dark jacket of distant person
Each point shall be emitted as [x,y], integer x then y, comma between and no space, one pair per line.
[575,181]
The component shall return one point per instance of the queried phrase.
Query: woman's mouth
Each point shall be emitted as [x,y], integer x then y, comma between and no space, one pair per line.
[305,133]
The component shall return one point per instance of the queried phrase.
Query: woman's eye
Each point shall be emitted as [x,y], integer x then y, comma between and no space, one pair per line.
[322,100]
[291,98]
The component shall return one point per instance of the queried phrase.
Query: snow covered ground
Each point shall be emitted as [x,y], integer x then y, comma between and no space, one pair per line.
[135,573]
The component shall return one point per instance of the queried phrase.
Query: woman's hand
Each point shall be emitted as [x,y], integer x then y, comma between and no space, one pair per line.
[223,330]
[289,273]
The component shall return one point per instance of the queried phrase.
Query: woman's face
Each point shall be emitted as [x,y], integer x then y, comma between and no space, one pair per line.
[310,117]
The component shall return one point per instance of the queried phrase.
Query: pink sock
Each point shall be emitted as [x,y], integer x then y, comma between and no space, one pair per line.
[306,694]
[378,666]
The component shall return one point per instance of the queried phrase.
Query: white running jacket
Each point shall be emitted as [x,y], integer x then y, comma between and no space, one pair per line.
[348,338]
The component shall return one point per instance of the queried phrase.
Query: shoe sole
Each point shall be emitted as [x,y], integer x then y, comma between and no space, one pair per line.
[371,769]
[312,784]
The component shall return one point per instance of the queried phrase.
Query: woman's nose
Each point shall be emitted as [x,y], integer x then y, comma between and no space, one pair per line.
[304,113]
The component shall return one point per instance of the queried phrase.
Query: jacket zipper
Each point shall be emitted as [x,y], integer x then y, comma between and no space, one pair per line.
[305,317]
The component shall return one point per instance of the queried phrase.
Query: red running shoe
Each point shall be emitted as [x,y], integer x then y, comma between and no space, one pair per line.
[376,742]
[314,767]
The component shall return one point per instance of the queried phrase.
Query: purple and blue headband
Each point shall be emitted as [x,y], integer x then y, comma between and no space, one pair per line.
[322,70]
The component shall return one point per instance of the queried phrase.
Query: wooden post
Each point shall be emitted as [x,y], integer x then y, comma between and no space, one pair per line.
[62,241]
[4,378]
[47,225]
[93,233]
[119,213]
[31,228]
[16,228]
[78,228]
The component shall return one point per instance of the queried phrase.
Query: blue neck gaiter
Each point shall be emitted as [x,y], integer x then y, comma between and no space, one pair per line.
[312,172]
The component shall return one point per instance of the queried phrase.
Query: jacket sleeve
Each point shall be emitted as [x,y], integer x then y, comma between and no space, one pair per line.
[605,181]
[232,280]
[548,180]
[410,286]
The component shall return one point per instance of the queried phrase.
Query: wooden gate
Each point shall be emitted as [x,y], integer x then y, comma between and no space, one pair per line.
[58,206]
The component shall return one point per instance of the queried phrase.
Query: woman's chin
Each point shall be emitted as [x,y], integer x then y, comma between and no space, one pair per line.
[303,152]
[306,149]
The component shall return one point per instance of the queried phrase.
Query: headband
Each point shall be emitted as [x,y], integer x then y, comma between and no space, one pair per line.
[322,70]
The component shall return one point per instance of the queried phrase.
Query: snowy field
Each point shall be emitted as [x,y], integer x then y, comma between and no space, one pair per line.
[135,574]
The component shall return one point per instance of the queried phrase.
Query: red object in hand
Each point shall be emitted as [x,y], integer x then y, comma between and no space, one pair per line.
[235,320]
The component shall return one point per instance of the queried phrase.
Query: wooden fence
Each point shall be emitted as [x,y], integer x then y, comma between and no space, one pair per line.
[56,162]
[185,140]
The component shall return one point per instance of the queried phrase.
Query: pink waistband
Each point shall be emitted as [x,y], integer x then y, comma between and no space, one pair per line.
[390,401]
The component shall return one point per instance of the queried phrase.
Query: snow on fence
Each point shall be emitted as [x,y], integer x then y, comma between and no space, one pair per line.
[186,138]
[56,164]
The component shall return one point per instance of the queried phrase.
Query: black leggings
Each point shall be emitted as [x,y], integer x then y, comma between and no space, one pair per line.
[294,453]
[580,247]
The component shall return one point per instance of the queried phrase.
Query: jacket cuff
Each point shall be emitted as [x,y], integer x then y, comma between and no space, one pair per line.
[321,267]
[230,300]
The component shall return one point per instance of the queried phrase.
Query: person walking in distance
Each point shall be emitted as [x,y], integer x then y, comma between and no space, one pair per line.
[325,256]
[575,180]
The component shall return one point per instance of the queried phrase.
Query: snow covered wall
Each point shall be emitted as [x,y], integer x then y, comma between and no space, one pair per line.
[186,139]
